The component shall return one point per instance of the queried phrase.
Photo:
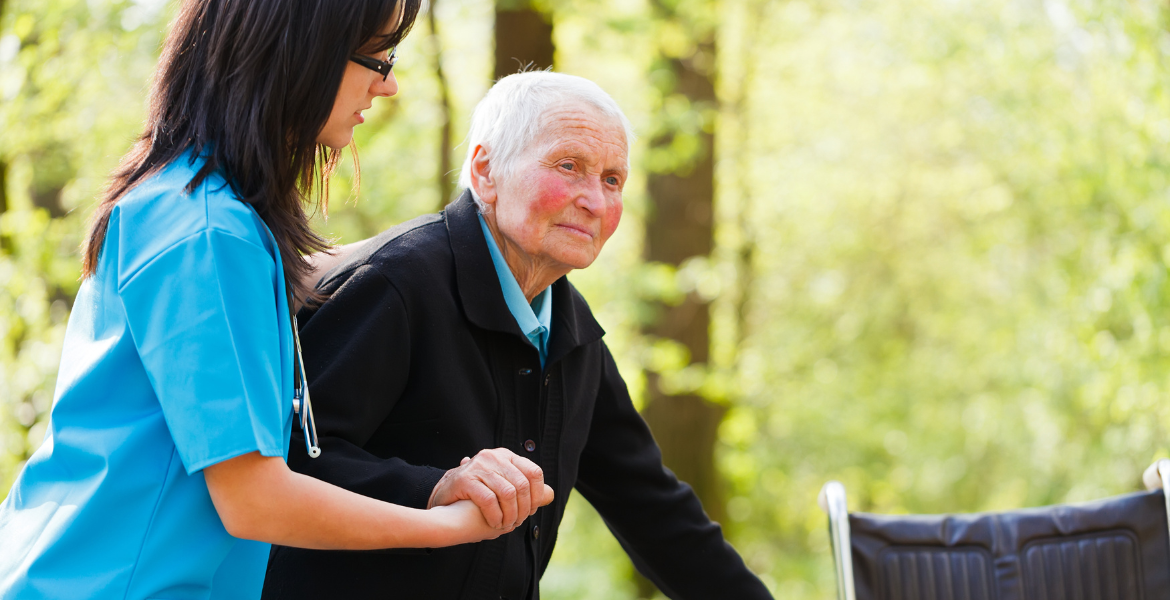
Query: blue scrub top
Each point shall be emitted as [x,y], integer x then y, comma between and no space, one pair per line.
[178,355]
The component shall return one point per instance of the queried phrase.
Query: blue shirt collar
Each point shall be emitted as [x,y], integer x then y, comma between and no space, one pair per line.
[535,319]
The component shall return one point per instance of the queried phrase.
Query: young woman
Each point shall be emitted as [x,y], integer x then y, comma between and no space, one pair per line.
[175,397]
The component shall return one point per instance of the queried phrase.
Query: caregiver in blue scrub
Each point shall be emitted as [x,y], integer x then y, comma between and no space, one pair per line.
[174,401]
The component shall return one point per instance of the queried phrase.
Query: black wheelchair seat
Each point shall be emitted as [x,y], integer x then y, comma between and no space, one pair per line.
[1115,549]
[1112,549]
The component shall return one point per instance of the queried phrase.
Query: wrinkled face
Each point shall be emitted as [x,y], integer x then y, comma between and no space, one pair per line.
[564,197]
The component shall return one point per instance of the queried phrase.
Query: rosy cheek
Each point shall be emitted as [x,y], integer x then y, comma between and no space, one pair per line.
[609,223]
[553,193]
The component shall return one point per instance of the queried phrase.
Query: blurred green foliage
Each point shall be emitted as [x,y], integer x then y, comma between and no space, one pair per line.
[72,82]
[944,227]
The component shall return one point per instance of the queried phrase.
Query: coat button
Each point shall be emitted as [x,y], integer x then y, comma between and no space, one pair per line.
[530,445]
[536,532]
[525,371]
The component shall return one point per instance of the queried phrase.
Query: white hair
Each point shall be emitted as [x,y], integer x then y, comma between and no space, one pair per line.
[511,117]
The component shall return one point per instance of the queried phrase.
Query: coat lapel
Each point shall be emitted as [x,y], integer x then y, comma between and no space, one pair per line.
[573,324]
[475,276]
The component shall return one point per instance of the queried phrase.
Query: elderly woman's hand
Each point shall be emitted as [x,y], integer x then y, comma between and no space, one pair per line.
[507,488]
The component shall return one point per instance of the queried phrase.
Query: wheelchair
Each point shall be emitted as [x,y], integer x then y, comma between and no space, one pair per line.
[1112,549]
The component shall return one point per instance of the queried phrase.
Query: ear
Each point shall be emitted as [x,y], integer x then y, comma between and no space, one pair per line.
[481,175]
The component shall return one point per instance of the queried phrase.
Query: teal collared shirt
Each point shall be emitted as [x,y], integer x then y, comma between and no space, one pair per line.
[534,319]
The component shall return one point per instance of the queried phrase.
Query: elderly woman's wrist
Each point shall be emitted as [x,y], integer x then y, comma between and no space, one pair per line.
[435,490]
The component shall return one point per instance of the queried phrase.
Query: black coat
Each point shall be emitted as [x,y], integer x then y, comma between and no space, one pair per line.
[415,362]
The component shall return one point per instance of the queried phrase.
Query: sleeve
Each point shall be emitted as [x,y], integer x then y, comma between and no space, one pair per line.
[657,519]
[203,316]
[357,359]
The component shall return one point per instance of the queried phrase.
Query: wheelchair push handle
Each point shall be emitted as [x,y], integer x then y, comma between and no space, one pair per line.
[1157,474]
[833,502]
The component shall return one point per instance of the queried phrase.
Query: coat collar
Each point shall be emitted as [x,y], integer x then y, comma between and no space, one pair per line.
[482,297]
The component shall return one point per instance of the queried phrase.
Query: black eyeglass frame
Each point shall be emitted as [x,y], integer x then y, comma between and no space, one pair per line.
[383,67]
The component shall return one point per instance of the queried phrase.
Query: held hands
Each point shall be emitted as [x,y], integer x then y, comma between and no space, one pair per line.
[460,523]
[505,487]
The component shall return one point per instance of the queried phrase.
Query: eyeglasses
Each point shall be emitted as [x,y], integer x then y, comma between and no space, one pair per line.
[302,407]
[381,66]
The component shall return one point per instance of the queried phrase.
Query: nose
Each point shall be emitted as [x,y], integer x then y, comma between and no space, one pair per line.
[385,88]
[592,196]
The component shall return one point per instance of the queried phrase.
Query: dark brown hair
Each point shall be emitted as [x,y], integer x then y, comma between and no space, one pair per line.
[250,84]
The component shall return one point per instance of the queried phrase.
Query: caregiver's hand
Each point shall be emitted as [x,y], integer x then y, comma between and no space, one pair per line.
[464,523]
[259,498]
[506,487]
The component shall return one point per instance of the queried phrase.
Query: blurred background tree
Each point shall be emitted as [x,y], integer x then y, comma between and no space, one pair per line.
[916,245]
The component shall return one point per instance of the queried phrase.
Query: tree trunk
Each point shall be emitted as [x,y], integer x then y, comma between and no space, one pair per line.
[446,185]
[50,200]
[3,178]
[3,163]
[523,38]
[52,171]
[681,226]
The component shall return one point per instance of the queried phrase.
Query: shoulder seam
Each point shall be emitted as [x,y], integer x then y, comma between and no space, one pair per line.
[390,284]
[405,309]
[123,282]
[397,291]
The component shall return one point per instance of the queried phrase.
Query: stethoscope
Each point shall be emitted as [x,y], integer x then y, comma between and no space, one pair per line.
[302,406]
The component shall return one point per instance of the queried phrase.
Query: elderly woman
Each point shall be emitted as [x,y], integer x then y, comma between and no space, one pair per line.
[457,335]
